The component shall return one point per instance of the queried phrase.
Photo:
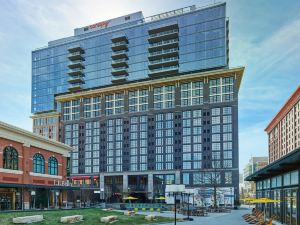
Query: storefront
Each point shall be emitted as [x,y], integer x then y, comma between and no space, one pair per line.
[280,180]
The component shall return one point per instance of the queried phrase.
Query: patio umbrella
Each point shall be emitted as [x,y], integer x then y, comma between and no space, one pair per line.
[264,201]
[130,198]
[161,198]
[248,200]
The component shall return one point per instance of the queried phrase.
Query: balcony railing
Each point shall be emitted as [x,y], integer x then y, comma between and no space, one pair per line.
[76,79]
[119,46]
[164,60]
[119,62]
[75,48]
[163,35]
[161,44]
[171,52]
[118,79]
[75,56]
[119,70]
[76,64]
[164,70]
[75,87]
[119,54]
[75,72]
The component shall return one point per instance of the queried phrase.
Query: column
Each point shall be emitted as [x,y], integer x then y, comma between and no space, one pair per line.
[26,199]
[150,186]
[13,204]
[125,183]
[177,177]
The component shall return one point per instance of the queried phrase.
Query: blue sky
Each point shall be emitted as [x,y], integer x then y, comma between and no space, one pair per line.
[264,37]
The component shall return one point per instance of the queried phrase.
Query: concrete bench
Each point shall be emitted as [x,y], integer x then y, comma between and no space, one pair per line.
[108,219]
[150,217]
[71,219]
[28,219]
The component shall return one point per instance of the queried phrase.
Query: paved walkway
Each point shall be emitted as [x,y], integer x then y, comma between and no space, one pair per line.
[233,218]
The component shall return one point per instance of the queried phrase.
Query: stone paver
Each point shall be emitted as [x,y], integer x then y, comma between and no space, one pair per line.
[233,218]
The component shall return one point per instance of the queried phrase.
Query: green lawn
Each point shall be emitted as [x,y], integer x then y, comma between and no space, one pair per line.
[90,217]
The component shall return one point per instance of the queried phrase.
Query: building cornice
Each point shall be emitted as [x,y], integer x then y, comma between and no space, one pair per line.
[288,105]
[237,72]
[28,139]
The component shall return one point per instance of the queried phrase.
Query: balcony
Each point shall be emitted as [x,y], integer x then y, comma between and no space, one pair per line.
[76,64]
[122,45]
[163,71]
[119,39]
[172,52]
[169,34]
[76,79]
[119,71]
[119,54]
[172,61]
[75,72]
[75,56]
[119,79]
[75,88]
[119,63]
[163,44]
[75,48]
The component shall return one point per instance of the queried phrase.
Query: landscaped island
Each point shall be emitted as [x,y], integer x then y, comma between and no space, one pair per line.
[90,217]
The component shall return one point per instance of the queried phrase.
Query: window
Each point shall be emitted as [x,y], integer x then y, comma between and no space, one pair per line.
[92,107]
[228,177]
[192,93]
[186,178]
[138,100]
[10,158]
[221,89]
[114,104]
[71,110]
[52,166]
[38,163]
[164,97]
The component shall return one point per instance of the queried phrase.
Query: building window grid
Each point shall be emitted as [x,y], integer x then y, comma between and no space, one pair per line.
[92,147]
[164,135]
[114,104]
[138,100]
[92,107]
[138,143]
[221,89]
[192,93]
[114,145]
[71,110]
[164,97]
[192,129]
[71,138]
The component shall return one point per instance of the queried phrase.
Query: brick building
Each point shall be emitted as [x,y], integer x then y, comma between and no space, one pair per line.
[32,170]
[284,129]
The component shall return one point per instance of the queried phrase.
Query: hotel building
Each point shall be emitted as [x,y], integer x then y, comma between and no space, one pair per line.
[144,102]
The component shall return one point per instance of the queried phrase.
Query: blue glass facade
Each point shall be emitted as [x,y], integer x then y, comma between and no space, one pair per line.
[202,44]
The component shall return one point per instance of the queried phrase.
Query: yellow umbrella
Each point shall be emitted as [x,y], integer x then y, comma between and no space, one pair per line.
[248,199]
[130,198]
[264,200]
[161,198]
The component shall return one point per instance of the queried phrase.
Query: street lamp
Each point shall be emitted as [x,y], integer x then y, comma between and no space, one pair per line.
[174,190]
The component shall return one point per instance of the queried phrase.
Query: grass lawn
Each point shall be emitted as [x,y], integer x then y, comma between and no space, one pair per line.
[90,217]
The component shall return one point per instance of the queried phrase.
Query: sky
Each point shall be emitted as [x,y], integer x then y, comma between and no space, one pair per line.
[264,37]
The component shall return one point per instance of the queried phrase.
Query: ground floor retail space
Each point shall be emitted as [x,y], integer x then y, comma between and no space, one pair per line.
[24,197]
[280,181]
[148,187]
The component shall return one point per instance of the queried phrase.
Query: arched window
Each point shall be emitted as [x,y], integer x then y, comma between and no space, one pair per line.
[38,163]
[10,158]
[52,166]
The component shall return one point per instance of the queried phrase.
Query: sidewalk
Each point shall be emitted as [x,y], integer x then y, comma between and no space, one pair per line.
[233,218]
